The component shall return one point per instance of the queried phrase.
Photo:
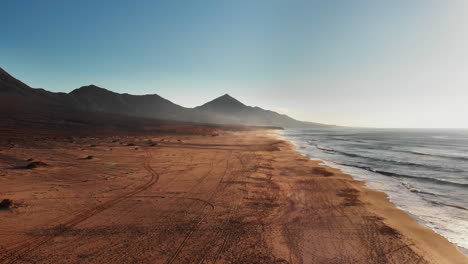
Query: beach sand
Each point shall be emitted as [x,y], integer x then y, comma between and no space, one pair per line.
[240,197]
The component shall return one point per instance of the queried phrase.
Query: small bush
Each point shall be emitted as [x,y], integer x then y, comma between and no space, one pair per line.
[6,204]
[322,171]
[36,164]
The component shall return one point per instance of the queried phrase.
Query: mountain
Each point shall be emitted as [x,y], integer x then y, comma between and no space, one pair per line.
[13,89]
[98,99]
[228,110]
[222,110]
[8,84]
[225,104]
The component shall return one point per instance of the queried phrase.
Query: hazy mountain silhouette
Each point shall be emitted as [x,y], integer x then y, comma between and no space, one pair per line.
[98,99]
[228,110]
[91,98]
[225,104]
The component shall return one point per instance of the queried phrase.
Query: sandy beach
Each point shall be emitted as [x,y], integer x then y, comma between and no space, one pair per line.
[229,197]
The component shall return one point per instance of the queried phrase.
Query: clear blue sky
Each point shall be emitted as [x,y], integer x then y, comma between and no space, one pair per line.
[372,63]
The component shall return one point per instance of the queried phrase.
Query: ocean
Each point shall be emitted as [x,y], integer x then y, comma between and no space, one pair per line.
[423,171]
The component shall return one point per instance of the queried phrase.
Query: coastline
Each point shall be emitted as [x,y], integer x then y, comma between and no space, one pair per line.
[237,197]
[433,247]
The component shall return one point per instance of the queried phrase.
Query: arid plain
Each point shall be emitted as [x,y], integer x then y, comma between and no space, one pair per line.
[232,197]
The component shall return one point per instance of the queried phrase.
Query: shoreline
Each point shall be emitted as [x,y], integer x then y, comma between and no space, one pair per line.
[237,197]
[426,241]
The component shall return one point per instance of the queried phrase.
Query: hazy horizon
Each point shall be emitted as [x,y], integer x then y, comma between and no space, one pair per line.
[367,63]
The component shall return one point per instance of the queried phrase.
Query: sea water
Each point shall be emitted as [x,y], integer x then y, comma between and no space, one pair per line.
[424,172]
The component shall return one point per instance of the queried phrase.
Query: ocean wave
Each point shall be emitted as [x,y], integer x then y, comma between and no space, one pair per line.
[395,162]
[451,205]
[418,153]
[418,178]
[390,147]
[422,153]
[325,148]
[411,188]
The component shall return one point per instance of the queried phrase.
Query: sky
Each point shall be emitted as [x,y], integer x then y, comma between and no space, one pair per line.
[367,63]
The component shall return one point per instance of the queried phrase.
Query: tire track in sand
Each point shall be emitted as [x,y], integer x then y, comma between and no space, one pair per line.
[203,214]
[12,254]
[224,235]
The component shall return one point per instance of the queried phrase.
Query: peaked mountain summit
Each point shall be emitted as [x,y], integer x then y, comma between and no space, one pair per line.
[225,103]
[91,98]
[228,110]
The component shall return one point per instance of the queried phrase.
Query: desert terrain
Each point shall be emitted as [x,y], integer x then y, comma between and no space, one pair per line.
[217,197]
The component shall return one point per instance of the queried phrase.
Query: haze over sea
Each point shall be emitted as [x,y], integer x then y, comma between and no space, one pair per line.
[423,171]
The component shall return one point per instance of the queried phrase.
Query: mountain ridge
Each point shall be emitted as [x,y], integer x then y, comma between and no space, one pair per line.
[224,109]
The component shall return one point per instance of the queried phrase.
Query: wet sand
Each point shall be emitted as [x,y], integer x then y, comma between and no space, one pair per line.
[240,197]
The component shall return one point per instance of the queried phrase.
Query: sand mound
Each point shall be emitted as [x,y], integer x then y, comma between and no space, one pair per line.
[36,164]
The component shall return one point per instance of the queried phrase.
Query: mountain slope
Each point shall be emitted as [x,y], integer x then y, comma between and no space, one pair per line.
[98,99]
[91,98]
[16,90]
[228,110]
